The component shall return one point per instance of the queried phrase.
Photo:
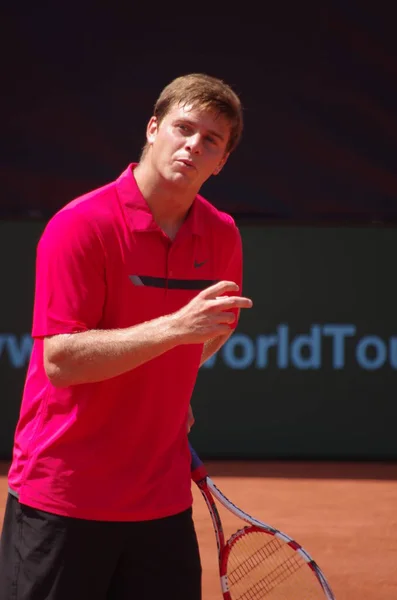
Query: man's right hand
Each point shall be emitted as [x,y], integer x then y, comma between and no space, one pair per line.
[209,314]
[95,355]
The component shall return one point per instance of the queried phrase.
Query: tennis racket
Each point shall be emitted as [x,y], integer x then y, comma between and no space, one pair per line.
[259,561]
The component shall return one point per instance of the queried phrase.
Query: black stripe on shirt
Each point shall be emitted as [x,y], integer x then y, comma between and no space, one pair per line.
[172,284]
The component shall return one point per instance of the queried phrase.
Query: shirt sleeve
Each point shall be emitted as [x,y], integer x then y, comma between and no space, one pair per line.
[70,276]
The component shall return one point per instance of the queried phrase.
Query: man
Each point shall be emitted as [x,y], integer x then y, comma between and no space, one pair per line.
[137,284]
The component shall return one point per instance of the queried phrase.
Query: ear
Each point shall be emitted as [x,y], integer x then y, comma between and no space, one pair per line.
[151,130]
[221,164]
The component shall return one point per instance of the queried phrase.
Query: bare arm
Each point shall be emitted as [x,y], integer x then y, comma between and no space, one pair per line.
[96,355]
[212,346]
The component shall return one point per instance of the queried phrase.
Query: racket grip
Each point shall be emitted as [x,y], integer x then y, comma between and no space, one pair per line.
[196,462]
[198,470]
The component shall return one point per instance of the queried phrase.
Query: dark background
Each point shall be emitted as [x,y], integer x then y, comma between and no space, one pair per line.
[297,276]
[317,80]
[313,187]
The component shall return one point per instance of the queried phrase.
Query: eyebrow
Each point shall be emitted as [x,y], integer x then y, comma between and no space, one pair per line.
[210,131]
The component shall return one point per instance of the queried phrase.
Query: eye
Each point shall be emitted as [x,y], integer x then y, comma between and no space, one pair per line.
[183,127]
[211,139]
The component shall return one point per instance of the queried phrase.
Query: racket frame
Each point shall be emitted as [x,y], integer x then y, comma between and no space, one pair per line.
[203,486]
[210,491]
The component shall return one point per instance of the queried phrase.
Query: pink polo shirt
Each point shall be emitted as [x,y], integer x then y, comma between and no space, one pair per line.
[116,450]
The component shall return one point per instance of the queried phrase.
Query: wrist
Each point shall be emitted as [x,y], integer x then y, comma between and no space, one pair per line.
[174,329]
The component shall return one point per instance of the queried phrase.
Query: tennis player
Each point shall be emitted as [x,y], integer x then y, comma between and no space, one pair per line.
[137,284]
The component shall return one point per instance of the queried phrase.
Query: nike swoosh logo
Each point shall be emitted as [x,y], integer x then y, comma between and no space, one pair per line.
[199,264]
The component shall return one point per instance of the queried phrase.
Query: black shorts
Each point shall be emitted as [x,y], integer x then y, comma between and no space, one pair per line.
[48,557]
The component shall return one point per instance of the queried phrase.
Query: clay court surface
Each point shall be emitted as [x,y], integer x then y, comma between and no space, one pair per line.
[344,514]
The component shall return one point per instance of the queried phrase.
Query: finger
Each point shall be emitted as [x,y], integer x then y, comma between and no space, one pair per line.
[221,329]
[225,317]
[220,288]
[225,302]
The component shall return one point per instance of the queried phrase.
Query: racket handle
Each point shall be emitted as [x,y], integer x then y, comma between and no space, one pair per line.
[198,470]
[196,462]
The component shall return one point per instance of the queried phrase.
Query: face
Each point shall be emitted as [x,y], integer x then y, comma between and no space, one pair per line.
[189,145]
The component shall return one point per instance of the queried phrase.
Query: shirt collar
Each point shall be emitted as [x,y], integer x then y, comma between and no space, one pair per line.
[139,214]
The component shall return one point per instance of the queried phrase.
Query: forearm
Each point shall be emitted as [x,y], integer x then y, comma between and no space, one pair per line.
[212,346]
[98,355]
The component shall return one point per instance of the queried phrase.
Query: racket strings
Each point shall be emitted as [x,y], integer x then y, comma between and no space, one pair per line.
[264,586]
[254,559]
[258,569]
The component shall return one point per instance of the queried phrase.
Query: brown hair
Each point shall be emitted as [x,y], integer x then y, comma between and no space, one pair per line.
[209,93]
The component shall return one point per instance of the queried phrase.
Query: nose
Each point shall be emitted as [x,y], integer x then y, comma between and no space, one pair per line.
[194,143]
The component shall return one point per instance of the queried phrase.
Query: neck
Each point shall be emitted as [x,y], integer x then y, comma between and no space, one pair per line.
[168,204]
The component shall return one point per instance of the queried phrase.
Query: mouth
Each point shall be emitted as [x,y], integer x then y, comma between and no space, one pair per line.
[186,162]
